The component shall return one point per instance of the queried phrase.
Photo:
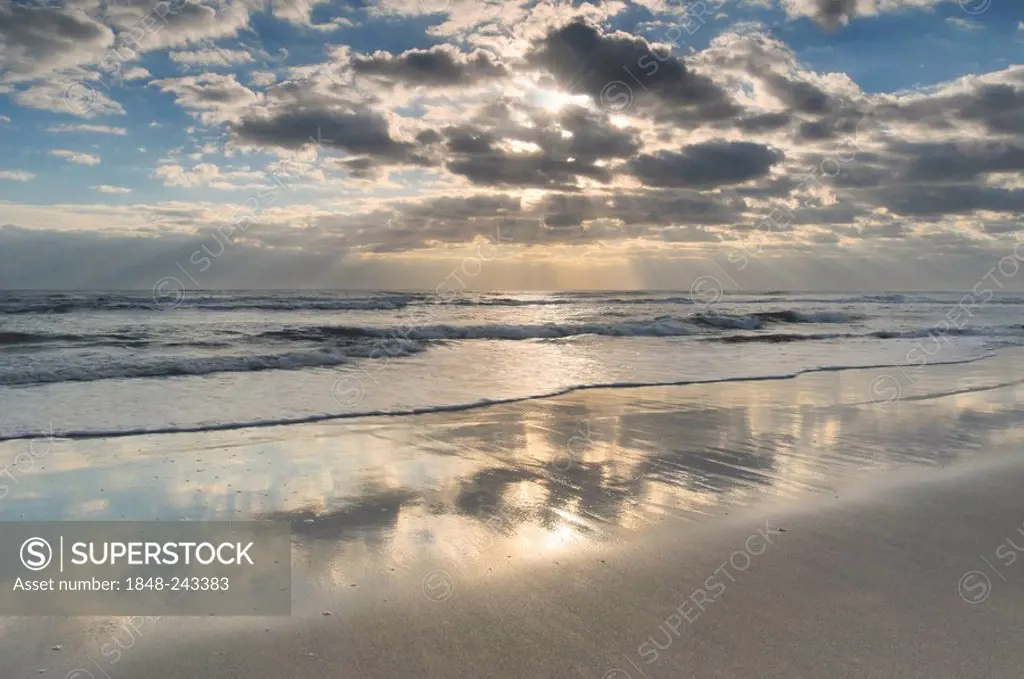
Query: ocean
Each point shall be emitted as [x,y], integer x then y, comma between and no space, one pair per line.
[89,364]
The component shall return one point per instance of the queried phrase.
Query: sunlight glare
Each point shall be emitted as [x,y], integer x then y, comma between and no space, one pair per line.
[555,101]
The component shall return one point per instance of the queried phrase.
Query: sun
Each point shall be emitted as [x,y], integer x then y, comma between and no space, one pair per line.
[554,100]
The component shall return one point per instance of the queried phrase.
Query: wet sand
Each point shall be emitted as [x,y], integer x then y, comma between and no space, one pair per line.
[800,528]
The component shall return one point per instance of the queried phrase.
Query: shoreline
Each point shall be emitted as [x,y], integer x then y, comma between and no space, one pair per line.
[575,532]
[486,403]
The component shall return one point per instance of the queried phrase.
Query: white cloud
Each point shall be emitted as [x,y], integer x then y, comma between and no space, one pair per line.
[220,97]
[4,119]
[194,21]
[76,95]
[333,24]
[85,127]
[76,157]
[964,24]
[16,175]
[300,13]
[208,174]
[262,78]
[216,56]
[135,73]
[107,188]
[295,11]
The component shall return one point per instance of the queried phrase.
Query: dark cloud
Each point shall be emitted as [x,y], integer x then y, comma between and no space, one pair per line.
[763,122]
[572,143]
[886,231]
[933,201]
[37,40]
[816,130]
[951,161]
[559,218]
[838,213]
[799,95]
[999,228]
[856,175]
[593,136]
[438,66]
[501,168]
[847,122]
[471,207]
[671,207]
[469,140]
[620,70]
[826,13]
[427,137]
[997,107]
[361,168]
[562,220]
[362,133]
[708,165]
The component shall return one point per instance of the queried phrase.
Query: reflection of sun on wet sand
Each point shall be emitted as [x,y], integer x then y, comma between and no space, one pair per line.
[784,527]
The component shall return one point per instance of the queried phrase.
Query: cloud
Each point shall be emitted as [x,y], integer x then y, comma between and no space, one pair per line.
[439,66]
[621,72]
[707,165]
[764,122]
[107,188]
[208,175]
[262,78]
[16,175]
[964,24]
[300,13]
[218,98]
[357,132]
[827,13]
[76,157]
[832,14]
[557,129]
[36,41]
[98,129]
[4,119]
[995,104]
[936,201]
[135,73]
[179,22]
[779,93]
[77,95]
[554,150]
[964,161]
[215,56]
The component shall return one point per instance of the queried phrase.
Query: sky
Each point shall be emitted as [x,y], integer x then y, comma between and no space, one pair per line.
[547,144]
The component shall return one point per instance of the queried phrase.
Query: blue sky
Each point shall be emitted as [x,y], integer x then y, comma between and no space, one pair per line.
[145,126]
